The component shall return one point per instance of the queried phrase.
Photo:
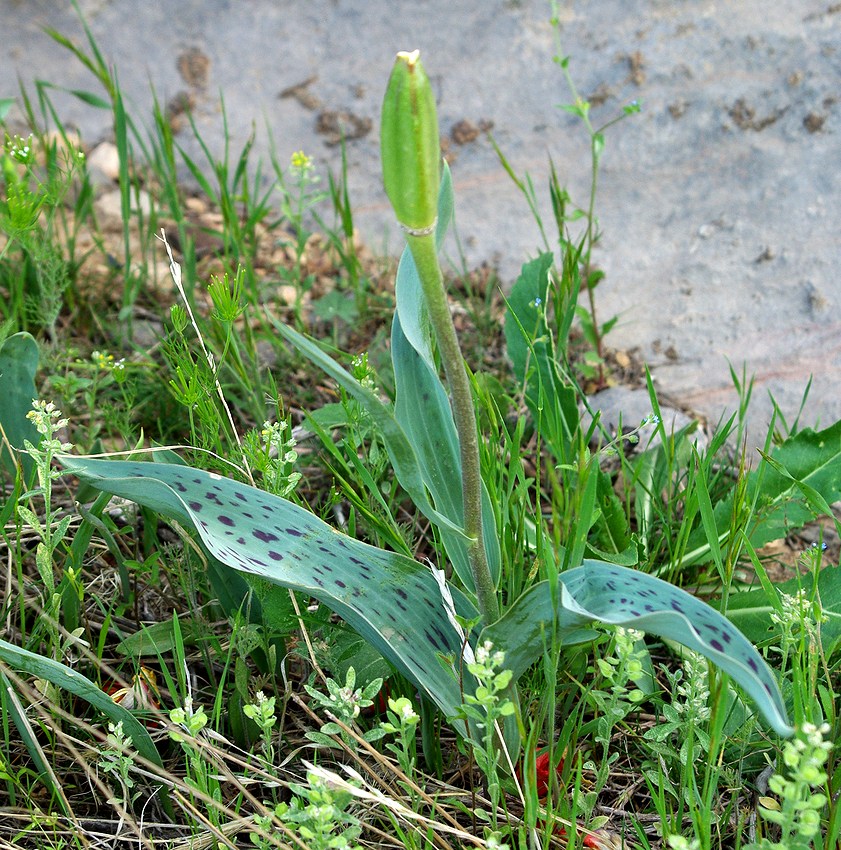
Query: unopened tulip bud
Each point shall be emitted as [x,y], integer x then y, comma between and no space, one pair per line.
[409,145]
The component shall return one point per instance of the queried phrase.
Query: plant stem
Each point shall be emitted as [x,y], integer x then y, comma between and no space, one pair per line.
[426,260]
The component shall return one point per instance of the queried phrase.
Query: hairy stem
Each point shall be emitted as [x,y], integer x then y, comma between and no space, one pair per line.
[426,259]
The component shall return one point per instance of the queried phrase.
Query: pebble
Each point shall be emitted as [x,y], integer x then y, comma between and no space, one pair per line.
[109,205]
[104,164]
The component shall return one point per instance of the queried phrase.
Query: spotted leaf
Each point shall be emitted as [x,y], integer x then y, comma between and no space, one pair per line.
[390,600]
[600,592]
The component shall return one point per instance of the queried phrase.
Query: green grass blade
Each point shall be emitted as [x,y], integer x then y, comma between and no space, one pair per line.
[401,452]
[11,704]
[69,680]
[18,365]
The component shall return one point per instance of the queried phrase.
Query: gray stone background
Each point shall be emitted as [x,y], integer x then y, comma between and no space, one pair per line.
[718,203]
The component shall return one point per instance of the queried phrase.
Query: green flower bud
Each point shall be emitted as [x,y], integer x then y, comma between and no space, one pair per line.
[409,145]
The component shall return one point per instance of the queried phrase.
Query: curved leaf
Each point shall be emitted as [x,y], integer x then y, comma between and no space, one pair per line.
[18,365]
[390,600]
[600,592]
[423,410]
[400,450]
[69,680]
[422,407]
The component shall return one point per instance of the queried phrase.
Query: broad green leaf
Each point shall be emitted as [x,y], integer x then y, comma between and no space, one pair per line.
[268,604]
[389,599]
[69,680]
[551,400]
[411,307]
[18,365]
[751,610]
[422,407]
[804,473]
[158,638]
[600,592]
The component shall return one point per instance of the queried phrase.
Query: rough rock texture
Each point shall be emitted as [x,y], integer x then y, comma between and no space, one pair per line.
[718,203]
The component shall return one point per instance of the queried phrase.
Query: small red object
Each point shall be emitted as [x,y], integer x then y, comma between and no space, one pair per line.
[141,694]
[542,766]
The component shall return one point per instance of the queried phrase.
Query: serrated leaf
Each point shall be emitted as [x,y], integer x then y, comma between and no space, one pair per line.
[390,600]
[600,592]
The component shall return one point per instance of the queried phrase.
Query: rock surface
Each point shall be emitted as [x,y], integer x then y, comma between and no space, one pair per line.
[718,203]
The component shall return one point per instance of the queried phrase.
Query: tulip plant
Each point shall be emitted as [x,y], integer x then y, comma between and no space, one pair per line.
[425,626]
[411,158]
